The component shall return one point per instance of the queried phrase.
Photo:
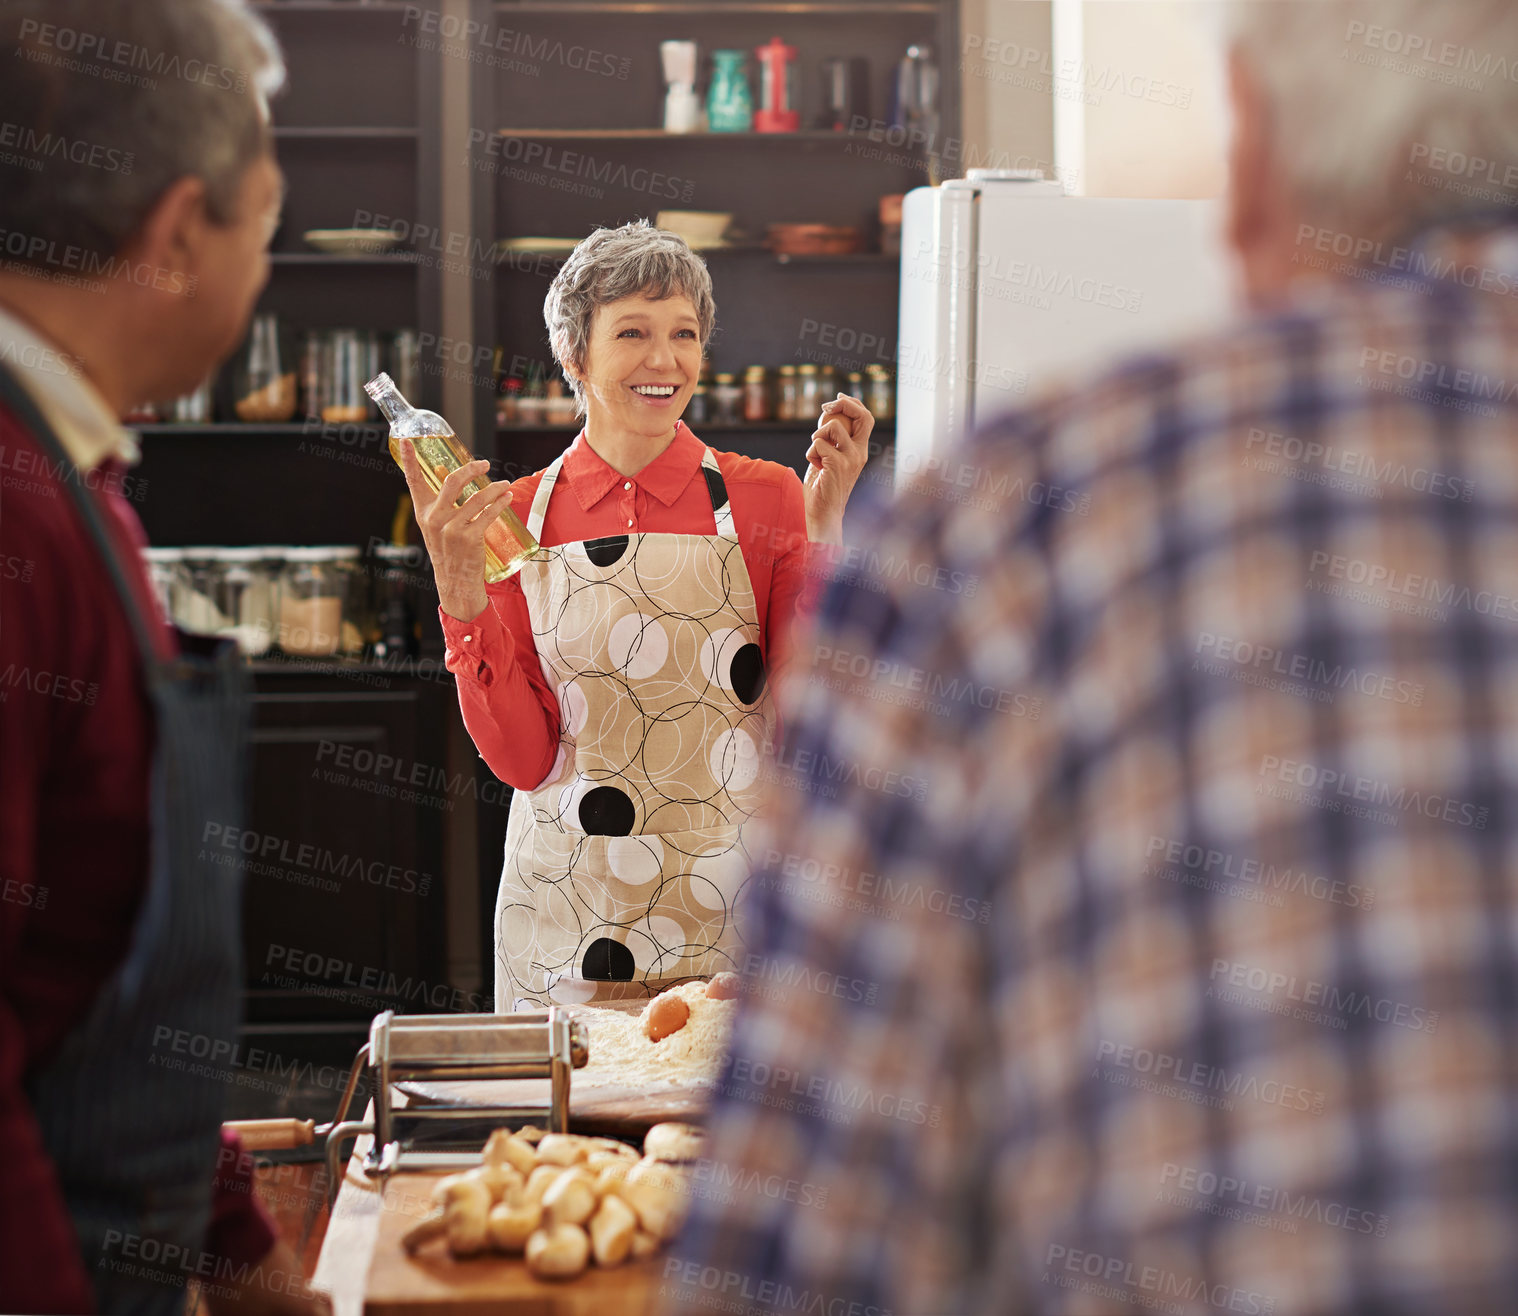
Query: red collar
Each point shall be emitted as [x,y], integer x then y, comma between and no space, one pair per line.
[666,477]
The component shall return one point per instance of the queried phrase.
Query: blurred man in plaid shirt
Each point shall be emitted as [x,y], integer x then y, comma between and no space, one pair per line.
[1163,953]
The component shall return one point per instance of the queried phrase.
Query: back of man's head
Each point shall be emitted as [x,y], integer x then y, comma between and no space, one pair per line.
[105,103]
[1388,116]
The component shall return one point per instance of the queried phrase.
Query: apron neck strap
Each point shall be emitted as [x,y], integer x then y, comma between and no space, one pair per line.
[19,402]
[716,488]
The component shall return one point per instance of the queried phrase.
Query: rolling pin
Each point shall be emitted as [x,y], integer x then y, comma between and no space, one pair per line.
[277,1134]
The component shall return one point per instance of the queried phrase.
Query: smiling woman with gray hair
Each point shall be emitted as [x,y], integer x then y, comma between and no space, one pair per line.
[620,682]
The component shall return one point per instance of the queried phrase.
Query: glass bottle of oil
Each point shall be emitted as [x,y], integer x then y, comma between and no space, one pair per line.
[508,543]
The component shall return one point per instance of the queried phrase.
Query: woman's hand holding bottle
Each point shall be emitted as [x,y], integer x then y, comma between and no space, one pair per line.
[455,536]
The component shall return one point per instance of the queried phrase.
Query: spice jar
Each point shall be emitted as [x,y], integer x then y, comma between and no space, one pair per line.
[699,409]
[808,393]
[855,386]
[727,400]
[880,392]
[311,600]
[788,396]
[756,394]
[264,383]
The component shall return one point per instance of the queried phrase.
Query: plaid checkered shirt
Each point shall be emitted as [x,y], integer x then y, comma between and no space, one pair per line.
[1135,927]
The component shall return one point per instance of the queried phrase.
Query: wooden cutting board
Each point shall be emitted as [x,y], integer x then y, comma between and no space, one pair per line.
[433,1283]
[616,1112]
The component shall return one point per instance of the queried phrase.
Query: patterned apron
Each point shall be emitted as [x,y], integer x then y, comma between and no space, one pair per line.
[624,868]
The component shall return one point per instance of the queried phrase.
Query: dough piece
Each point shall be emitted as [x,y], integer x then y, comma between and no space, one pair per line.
[674,1142]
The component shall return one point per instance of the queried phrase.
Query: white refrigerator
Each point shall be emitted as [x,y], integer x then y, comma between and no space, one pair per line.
[1009,285]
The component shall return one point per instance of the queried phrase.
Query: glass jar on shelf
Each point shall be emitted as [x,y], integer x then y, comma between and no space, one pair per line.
[263,385]
[880,392]
[395,632]
[559,407]
[197,600]
[808,393]
[699,409]
[315,373]
[827,384]
[193,408]
[406,361]
[344,400]
[727,400]
[756,394]
[787,394]
[854,386]
[351,580]
[165,569]
[249,597]
[311,600]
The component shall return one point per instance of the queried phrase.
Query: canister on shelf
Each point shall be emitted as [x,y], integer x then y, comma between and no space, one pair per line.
[165,569]
[855,386]
[195,602]
[264,381]
[699,409]
[345,402]
[880,392]
[756,394]
[315,374]
[406,361]
[311,603]
[246,597]
[727,400]
[808,392]
[787,395]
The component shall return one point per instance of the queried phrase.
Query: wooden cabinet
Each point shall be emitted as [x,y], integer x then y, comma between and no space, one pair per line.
[345,896]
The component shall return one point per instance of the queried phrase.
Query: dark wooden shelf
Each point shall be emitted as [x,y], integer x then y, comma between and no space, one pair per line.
[659,135]
[796,7]
[331,6]
[783,427]
[864,259]
[328,259]
[239,429]
[348,134]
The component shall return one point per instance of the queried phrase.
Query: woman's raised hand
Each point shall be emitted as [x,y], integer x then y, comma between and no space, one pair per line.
[839,450]
[455,536]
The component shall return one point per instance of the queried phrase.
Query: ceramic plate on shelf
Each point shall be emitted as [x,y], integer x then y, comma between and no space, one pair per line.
[351,241]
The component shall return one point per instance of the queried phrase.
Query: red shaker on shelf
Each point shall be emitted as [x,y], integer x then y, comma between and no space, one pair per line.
[779,100]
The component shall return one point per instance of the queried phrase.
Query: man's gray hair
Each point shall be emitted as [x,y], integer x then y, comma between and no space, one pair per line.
[636,260]
[106,103]
[1386,112]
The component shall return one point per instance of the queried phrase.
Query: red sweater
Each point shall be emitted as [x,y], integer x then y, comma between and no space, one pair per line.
[76,742]
[507,704]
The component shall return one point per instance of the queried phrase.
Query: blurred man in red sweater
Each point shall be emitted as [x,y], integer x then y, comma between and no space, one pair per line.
[138,193]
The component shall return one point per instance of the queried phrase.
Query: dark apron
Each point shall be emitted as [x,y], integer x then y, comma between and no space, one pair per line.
[128,1116]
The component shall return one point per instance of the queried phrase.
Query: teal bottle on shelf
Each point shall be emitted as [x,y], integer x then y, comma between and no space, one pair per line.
[729,102]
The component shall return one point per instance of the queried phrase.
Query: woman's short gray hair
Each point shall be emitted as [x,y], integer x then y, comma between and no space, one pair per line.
[636,260]
[117,101]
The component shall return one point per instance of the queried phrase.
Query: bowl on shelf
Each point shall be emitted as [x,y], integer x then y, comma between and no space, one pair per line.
[701,229]
[535,247]
[351,241]
[814,239]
